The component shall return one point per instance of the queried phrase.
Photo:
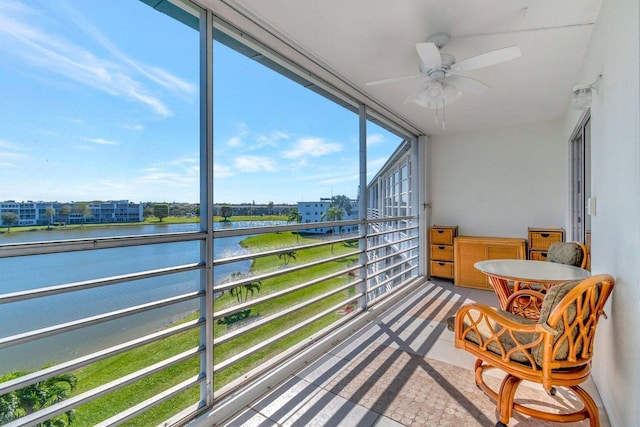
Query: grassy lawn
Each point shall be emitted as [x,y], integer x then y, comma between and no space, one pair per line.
[121,365]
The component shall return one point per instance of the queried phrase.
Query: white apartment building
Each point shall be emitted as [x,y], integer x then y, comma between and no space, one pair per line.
[36,213]
[314,211]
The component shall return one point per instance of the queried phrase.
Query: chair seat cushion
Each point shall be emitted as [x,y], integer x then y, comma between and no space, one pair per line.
[507,341]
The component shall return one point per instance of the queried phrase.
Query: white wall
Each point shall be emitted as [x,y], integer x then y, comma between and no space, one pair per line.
[615,140]
[500,182]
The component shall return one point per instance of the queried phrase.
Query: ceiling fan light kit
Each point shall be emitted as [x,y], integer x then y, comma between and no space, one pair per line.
[437,94]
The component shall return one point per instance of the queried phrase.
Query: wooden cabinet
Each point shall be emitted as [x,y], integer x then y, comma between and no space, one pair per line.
[467,250]
[441,240]
[540,239]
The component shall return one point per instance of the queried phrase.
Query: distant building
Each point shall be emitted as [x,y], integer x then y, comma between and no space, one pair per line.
[250,209]
[313,211]
[35,213]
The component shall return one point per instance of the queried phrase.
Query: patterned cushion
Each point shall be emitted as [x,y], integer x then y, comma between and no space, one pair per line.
[565,253]
[554,295]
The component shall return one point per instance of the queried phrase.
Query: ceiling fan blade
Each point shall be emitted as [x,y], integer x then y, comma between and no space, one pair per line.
[467,84]
[429,55]
[392,80]
[486,59]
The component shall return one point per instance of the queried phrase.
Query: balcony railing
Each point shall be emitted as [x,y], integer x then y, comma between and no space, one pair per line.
[284,293]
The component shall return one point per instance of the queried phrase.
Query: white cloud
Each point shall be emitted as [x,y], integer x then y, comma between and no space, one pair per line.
[254,164]
[118,76]
[133,127]
[234,141]
[271,139]
[9,154]
[375,138]
[339,179]
[238,139]
[310,146]
[102,141]
[221,171]
[376,163]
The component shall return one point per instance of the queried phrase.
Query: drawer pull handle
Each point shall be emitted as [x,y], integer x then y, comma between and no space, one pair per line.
[543,255]
[441,248]
[440,231]
[441,264]
[545,234]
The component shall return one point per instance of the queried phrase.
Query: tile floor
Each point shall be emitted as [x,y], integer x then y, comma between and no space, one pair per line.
[402,370]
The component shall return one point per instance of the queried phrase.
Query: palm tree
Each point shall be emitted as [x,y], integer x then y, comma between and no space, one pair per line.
[242,292]
[295,216]
[333,214]
[50,211]
[287,256]
[36,396]
[342,201]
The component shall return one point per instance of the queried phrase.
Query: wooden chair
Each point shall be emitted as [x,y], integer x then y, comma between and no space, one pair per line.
[555,351]
[529,303]
[572,253]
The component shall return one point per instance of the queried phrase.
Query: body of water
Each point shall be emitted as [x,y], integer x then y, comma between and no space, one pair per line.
[31,272]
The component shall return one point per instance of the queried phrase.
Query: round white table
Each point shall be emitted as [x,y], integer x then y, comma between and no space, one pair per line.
[524,272]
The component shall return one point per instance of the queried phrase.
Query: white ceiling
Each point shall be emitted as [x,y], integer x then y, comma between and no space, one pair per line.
[367,40]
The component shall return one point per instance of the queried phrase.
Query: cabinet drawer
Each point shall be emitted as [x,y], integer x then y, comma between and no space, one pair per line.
[442,252]
[542,239]
[538,255]
[442,269]
[442,235]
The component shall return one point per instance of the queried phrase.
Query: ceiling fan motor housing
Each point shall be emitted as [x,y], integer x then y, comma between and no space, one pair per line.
[439,39]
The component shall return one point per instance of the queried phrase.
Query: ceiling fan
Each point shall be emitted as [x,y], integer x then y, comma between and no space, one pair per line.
[440,70]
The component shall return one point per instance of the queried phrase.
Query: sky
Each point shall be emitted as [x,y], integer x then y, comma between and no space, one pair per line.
[100,101]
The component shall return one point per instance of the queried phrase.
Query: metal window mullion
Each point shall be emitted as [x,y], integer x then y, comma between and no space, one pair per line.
[363,201]
[248,352]
[61,246]
[269,319]
[75,401]
[80,362]
[94,283]
[93,320]
[206,144]
[250,279]
[275,295]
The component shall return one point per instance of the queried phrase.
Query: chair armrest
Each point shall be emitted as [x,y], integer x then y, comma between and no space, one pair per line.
[505,335]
